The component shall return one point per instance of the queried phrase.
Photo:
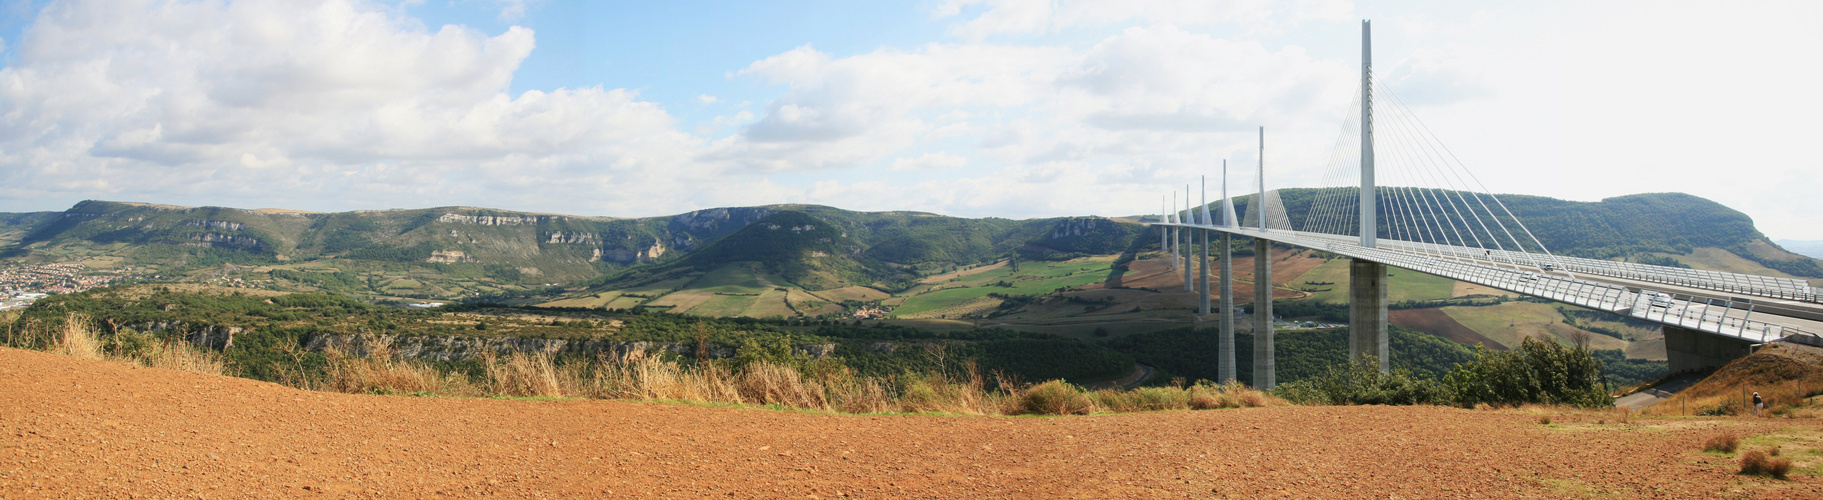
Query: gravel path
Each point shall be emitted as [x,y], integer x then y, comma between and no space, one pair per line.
[73,428]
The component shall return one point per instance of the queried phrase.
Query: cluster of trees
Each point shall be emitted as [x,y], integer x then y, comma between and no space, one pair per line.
[1192,354]
[1538,371]
[275,328]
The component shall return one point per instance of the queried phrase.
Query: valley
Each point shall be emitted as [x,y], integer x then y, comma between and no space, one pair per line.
[1100,282]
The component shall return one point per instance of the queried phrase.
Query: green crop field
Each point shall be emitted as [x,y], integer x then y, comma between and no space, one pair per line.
[770,303]
[731,278]
[1033,278]
[1509,322]
[721,306]
[1401,284]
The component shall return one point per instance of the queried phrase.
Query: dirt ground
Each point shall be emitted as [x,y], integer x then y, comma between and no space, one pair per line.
[88,429]
[1435,322]
[1157,274]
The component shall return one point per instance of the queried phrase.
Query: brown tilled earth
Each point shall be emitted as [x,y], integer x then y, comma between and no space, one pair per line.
[1433,321]
[72,428]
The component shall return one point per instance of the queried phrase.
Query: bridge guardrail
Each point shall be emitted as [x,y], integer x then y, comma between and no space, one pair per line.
[1441,261]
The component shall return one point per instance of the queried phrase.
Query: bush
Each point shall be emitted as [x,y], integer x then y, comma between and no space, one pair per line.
[1757,463]
[1723,409]
[1539,371]
[1362,383]
[1725,443]
[1055,398]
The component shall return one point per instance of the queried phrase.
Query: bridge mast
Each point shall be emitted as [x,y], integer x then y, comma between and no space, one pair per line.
[1225,334]
[1369,197]
[1189,241]
[1264,368]
[1367,332]
[1202,253]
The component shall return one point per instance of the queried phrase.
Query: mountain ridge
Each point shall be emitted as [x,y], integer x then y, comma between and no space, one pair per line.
[472,251]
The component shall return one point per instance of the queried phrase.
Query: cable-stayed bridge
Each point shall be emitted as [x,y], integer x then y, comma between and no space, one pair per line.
[1395,196]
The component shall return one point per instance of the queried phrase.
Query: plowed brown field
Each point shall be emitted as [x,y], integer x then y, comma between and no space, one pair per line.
[81,429]
[1433,321]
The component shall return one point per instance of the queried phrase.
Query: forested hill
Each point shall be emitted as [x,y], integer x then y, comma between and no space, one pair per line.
[1633,226]
[470,251]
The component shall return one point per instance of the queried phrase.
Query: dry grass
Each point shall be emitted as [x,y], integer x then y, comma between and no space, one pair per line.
[1782,381]
[528,375]
[1725,443]
[643,376]
[379,373]
[77,337]
[1196,397]
[817,385]
[1056,398]
[1756,462]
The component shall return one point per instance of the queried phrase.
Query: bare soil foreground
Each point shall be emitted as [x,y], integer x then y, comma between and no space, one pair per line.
[79,429]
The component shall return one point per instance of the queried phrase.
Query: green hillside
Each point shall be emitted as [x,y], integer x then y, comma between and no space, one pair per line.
[450,253]
[802,249]
[1632,227]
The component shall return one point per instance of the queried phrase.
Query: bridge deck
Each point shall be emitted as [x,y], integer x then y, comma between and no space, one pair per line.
[1677,297]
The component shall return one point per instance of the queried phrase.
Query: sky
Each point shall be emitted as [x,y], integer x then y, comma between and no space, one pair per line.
[975,108]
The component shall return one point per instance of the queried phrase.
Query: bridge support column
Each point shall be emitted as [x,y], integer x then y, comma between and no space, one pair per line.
[1264,369]
[1202,273]
[1189,262]
[1173,249]
[1367,334]
[1225,336]
[1688,350]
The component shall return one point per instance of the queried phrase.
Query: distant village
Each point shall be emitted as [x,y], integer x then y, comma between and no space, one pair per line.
[22,285]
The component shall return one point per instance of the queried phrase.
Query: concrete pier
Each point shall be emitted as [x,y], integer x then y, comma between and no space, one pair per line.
[1189,263]
[1367,334]
[1202,274]
[1264,368]
[1687,350]
[1225,340]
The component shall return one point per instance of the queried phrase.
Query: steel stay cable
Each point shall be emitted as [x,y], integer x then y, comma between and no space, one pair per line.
[1398,103]
[1469,208]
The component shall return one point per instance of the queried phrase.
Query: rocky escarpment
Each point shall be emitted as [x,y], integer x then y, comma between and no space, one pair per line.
[214,224]
[494,220]
[210,336]
[1077,226]
[460,348]
[219,240]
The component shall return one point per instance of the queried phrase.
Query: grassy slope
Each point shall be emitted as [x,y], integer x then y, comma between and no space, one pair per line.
[1509,322]
[1402,285]
[1716,259]
[1032,278]
[1786,376]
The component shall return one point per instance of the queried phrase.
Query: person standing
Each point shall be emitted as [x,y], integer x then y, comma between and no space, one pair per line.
[1758,404]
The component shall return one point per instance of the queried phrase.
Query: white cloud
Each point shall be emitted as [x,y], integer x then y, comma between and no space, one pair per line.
[930,161]
[343,104]
[1039,17]
[849,112]
[312,103]
[512,10]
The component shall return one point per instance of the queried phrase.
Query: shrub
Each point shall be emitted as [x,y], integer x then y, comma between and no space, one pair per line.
[1722,409]
[1757,463]
[1204,400]
[1725,443]
[1539,371]
[1362,383]
[1055,398]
